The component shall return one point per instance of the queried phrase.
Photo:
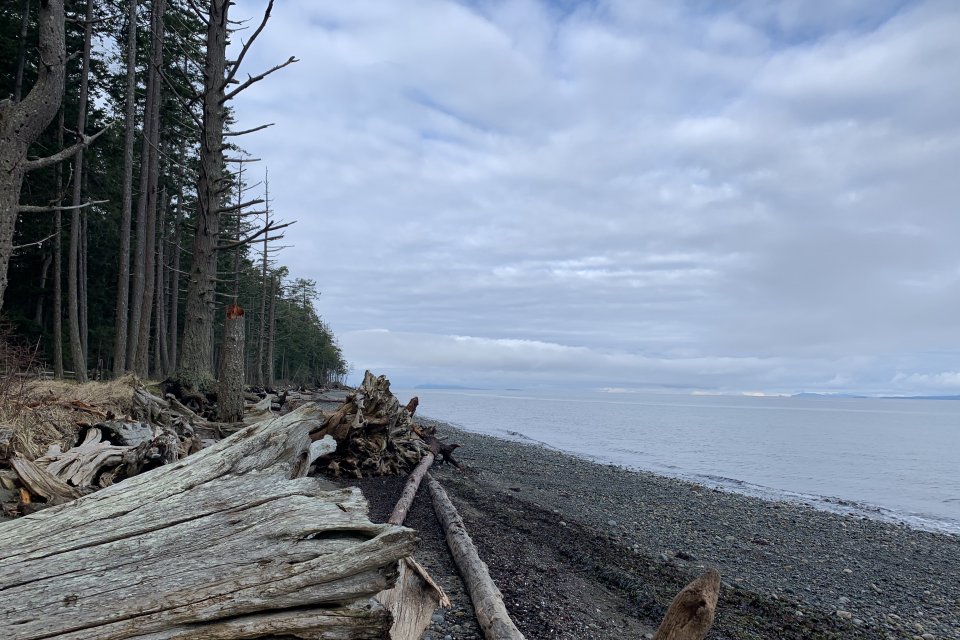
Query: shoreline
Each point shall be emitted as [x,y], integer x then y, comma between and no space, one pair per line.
[587,550]
[830,504]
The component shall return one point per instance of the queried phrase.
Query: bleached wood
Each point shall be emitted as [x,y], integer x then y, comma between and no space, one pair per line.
[231,542]
[487,599]
[410,490]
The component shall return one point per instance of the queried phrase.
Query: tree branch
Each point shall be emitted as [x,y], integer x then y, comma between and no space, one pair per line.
[240,205]
[33,244]
[248,44]
[30,208]
[64,154]
[246,131]
[254,79]
[243,241]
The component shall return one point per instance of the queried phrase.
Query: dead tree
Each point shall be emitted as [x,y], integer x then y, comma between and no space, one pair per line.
[230,386]
[195,364]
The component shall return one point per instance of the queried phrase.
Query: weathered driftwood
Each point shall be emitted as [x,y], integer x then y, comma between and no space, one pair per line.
[374,433]
[231,542]
[691,613]
[38,482]
[410,491]
[416,596]
[82,465]
[487,599]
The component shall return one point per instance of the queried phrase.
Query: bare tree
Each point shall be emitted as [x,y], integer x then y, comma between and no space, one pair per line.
[194,369]
[259,374]
[126,202]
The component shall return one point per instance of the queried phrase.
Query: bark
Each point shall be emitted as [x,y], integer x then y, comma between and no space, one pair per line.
[161,365]
[487,599]
[172,323]
[21,123]
[83,281]
[58,269]
[21,52]
[231,542]
[196,355]
[142,298]
[78,355]
[259,373]
[126,202]
[230,388]
[410,490]
[691,613]
[268,373]
[44,270]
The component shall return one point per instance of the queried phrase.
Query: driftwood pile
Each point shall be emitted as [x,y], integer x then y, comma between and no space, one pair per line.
[374,433]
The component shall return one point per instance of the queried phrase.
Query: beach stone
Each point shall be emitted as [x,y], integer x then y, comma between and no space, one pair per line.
[848,571]
[845,615]
[928,636]
[612,523]
[437,618]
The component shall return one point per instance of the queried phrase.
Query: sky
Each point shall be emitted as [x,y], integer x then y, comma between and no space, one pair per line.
[729,197]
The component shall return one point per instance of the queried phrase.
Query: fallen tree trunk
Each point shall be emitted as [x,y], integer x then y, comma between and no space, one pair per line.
[410,491]
[487,599]
[231,542]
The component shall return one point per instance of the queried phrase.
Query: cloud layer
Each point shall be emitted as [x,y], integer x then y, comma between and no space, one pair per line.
[755,196]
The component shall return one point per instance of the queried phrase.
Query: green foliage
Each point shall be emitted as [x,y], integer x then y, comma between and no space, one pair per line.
[304,347]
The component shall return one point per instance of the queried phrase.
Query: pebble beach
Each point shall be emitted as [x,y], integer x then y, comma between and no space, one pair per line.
[584,550]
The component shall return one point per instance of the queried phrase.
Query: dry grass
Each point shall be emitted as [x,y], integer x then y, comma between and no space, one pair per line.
[41,413]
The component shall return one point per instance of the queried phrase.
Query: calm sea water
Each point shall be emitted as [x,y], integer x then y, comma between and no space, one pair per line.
[890,459]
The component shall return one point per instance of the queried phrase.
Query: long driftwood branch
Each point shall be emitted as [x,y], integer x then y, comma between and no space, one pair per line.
[231,542]
[487,599]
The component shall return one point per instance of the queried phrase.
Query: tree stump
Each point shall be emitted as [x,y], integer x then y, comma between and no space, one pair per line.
[230,385]
[231,542]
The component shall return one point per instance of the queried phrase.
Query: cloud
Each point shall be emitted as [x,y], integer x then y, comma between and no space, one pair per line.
[763,183]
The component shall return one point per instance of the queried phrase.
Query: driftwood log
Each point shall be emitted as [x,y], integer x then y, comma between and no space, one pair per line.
[487,599]
[374,433]
[691,613]
[231,542]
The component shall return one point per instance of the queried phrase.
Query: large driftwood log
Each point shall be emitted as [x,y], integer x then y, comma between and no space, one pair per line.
[487,599]
[231,542]
[691,613]
[415,597]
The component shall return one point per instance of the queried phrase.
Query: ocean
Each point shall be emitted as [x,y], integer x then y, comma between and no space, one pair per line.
[891,459]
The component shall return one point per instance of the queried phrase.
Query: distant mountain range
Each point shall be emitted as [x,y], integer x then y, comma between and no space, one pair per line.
[808,394]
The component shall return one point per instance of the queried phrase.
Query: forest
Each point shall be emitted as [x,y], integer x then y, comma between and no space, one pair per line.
[132,221]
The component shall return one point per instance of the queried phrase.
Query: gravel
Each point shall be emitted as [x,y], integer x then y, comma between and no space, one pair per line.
[582,550]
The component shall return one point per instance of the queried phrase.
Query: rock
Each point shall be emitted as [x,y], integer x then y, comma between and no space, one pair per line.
[845,615]
[437,618]
[612,523]
[848,571]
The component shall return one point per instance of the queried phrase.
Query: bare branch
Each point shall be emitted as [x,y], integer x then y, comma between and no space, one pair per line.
[254,79]
[238,206]
[33,244]
[246,131]
[264,230]
[64,154]
[205,18]
[241,159]
[249,43]
[29,208]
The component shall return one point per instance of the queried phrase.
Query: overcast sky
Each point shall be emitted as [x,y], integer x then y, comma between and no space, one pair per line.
[743,196]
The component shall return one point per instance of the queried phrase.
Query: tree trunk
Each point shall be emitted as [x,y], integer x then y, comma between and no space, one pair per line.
[232,542]
[272,331]
[410,490]
[38,310]
[142,305]
[83,281]
[173,322]
[126,203]
[21,52]
[78,355]
[487,599]
[193,370]
[58,267]
[260,374]
[160,335]
[230,388]
[21,123]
